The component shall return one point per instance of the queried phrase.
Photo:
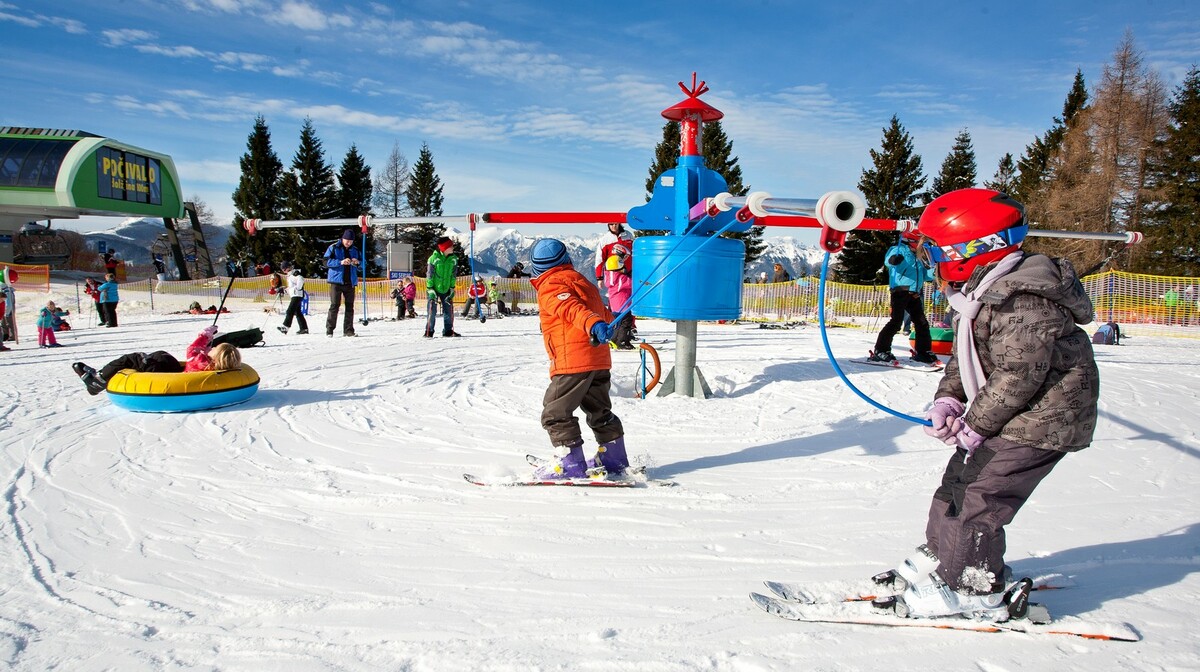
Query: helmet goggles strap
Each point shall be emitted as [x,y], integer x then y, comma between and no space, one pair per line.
[936,254]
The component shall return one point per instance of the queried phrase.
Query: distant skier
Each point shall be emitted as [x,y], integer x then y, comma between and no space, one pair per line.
[296,294]
[575,331]
[1020,393]
[907,276]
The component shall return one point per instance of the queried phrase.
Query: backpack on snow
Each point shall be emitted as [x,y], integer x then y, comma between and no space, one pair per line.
[246,338]
[1109,333]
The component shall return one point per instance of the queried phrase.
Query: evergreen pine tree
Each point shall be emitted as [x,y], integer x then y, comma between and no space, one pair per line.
[310,193]
[257,197]
[1006,173]
[424,197]
[958,169]
[1033,168]
[1170,223]
[892,188]
[354,199]
[666,157]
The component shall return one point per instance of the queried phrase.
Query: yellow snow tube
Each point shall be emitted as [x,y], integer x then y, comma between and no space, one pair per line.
[181,392]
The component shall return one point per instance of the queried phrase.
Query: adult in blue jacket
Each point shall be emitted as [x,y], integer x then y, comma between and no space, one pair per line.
[906,278]
[108,299]
[342,260]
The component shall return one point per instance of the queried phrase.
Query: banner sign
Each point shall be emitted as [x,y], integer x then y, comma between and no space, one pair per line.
[125,176]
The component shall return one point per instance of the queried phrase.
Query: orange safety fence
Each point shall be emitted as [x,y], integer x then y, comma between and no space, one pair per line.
[30,278]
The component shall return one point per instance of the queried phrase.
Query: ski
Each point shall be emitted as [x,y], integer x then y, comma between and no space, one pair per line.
[863,613]
[910,364]
[636,473]
[865,590]
[576,482]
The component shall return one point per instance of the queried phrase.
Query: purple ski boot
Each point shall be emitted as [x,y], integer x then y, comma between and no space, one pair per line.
[569,462]
[612,456]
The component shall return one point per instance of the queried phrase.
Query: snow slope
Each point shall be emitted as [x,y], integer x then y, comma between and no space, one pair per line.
[325,524]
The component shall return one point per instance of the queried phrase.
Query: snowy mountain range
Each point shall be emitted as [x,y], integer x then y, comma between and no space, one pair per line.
[496,249]
[133,238]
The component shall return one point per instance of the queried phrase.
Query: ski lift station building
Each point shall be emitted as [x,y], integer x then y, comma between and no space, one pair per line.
[62,174]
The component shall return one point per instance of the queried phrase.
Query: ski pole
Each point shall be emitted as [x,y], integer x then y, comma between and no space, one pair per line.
[222,306]
[362,277]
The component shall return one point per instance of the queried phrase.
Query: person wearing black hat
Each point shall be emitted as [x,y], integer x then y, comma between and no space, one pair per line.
[342,260]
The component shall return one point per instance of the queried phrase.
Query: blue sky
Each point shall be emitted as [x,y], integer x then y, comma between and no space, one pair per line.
[555,106]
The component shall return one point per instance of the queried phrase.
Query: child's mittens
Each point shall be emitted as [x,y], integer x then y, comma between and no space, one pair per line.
[209,331]
[601,333]
[969,440]
[945,416]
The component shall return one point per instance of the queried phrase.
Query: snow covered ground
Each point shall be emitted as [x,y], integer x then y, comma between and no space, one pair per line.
[325,524]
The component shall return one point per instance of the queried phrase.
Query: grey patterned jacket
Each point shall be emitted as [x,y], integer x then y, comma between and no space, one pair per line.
[1042,382]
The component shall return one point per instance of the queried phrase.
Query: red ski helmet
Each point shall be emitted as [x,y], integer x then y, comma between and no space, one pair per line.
[968,228]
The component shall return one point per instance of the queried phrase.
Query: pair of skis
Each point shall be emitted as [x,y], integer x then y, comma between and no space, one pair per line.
[910,364]
[859,603]
[633,477]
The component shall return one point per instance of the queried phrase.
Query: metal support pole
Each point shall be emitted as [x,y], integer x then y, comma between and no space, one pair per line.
[685,378]
[685,357]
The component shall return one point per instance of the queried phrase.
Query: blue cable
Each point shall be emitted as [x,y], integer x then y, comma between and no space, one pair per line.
[838,369]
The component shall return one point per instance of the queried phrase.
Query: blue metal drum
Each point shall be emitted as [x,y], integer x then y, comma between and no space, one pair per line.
[706,286]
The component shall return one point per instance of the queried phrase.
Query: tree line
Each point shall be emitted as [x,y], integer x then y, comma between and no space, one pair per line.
[1120,158]
[311,189]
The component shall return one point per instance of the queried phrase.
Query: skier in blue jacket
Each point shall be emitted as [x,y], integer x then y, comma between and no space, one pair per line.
[109,297]
[906,278]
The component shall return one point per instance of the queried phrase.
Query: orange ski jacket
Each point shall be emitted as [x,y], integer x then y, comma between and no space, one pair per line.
[568,306]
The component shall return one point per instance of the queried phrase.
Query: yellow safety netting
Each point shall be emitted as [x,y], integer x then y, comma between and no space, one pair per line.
[1141,304]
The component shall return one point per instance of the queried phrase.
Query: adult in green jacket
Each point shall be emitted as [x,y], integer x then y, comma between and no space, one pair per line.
[439,279]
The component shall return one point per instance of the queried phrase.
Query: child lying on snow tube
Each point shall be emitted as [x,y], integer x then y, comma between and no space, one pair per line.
[201,356]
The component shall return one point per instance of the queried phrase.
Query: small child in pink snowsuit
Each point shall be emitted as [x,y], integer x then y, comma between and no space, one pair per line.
[617,281]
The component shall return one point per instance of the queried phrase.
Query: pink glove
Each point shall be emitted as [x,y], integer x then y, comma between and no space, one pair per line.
[209,331]
[946,416]
[969,440]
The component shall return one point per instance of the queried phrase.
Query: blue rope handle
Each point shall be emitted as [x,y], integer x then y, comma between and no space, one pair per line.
[838,369]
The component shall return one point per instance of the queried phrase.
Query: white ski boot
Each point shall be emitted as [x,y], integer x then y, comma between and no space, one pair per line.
[916,569]
[938,600]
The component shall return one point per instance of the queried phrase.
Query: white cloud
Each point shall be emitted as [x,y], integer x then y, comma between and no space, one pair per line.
[70,25]
[123,36]
[178,51]
[22,20]
[306,16]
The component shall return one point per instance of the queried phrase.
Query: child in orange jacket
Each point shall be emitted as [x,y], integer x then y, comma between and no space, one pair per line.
[576,331]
